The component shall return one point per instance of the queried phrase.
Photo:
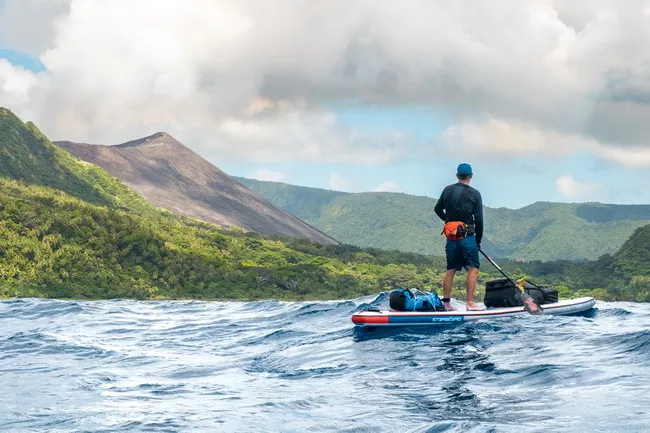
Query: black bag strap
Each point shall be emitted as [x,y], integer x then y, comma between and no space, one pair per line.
[455,196]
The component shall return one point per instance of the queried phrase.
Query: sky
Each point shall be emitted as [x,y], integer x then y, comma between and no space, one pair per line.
[548,100]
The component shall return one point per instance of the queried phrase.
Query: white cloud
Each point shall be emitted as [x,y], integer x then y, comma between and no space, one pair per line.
[253,80]
[337,182]
[284,131]
[627,157]
[42,17]
[388,187]
[571,188]
[498,139]
[269,175]
[15,83]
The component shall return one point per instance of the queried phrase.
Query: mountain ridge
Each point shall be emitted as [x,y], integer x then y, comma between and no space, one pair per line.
[538,231]
[338,192]
[172,176]
[69,229]
[27,155]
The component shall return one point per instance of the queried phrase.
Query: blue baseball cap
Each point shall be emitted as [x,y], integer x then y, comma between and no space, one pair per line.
[464,169]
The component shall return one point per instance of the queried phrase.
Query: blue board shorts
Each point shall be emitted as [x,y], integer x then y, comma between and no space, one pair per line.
[462,253]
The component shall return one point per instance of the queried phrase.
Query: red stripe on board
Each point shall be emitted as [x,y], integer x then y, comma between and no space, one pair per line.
[370,319]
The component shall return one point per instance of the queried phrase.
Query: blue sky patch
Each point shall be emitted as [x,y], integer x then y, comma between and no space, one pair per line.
[423,122]
[19,58]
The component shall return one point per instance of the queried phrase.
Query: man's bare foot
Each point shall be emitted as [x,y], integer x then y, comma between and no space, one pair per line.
[448,306]
[474,307]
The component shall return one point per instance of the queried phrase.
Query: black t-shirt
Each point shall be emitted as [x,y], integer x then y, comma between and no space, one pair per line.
[461,202]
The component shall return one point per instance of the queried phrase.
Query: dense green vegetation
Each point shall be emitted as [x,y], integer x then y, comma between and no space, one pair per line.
[541,231]
[634,256]
[70,230]
[603,279]
[54,245]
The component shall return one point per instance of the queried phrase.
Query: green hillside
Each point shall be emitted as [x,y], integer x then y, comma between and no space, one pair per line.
[541,231]
[70,230]
[633,262]
[27,155]
[54,245]
[624,276]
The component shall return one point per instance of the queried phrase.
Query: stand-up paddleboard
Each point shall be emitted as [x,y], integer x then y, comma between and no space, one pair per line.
[419,318]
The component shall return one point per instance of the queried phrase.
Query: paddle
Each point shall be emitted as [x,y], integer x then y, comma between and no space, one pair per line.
[529,303]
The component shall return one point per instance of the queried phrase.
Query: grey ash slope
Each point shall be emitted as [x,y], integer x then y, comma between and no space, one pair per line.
[173,177]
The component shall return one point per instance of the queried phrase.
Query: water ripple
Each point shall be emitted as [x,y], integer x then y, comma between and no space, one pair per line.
[267,366]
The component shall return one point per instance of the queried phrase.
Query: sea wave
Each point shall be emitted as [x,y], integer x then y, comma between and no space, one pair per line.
[129,366]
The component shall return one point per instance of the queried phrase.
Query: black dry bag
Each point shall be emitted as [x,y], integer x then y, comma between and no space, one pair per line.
[502,293]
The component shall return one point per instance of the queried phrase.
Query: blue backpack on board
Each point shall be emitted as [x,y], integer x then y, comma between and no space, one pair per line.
[415,300]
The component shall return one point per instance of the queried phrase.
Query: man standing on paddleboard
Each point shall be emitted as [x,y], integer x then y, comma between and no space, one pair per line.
[461,208]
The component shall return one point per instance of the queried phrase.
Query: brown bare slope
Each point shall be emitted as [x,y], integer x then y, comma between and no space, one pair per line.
[173,177]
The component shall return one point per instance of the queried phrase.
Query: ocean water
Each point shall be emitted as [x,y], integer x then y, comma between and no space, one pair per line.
[128,366]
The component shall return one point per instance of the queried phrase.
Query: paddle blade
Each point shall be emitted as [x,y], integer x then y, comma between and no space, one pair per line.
[530,305]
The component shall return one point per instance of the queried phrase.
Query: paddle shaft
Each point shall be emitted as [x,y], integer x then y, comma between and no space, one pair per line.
[497,266]
[529,303]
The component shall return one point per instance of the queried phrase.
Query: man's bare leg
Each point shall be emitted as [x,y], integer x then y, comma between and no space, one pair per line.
[447,282]
[470,285]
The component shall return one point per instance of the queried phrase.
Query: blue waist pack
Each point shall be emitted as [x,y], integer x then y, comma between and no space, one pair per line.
[414,300]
